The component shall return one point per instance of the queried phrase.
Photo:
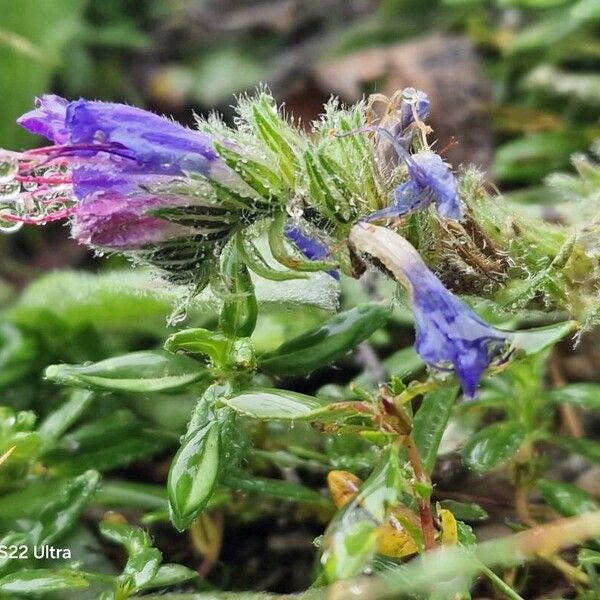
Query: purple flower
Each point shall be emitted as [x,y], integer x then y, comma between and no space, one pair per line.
[449,335]
[430,181]
[104,169]
[311,247]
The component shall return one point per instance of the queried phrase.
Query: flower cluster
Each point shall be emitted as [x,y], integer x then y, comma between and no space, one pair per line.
[430,180]
[132,181]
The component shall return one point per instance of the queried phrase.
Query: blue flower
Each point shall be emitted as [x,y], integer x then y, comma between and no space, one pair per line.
[311,247]
[430,181]
[449,335]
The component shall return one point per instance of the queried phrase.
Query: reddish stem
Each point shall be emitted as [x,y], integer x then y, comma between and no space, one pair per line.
[425,512]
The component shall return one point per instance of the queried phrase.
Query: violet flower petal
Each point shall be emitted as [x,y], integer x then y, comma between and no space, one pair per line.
[448,332]
[48,118]
[117,222]
[157,144]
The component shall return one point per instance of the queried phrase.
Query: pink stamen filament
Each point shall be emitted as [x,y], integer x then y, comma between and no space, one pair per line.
[57,200]
[49,180]
[57,216]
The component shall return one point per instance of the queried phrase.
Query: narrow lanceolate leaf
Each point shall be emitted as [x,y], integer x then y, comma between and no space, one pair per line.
[532,341]
[586,395]
[17,351]
[60,515]
[567,499]
[430,422]
[274,404]
[349,551]
[586,448]
[269,127]
[58,421]
[465,511]
[141,568]
[327,343]
[256,263]
[275,488]
[34,582]
[494,445]
[194,473]
[170,574]
[152,371]
[108,442]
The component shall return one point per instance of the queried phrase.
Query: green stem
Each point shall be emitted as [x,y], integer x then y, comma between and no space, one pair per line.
[500,584]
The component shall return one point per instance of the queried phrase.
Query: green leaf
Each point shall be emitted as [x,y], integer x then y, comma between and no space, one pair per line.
[383,487]
[29,501]
[200,341]
[17,353]
[327,343]
[494,445]
[143,560]
[566,499]
[57,422]
[116,299]
[585,448]
[276,488]
[349,551]
[586,395]
[141,568]
[258,264]
[465,511]
[152,371]
[194,473]
[170,574]
[133,538]
[119,494]
[466,536]
[530,157]
[106,443]
[430,422]
[271,128]
[260,177]
[274,404]
[60,515]
[532,341]
[33,582]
